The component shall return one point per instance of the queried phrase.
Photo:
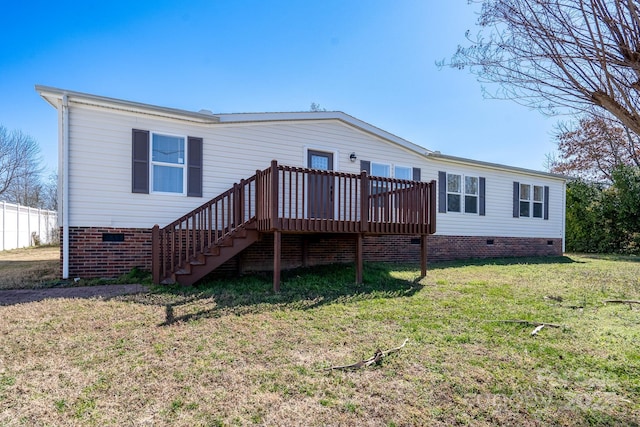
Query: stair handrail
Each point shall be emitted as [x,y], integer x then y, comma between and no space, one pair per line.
[180,241]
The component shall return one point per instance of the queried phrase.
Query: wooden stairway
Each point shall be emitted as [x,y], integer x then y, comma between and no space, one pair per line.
[200,241]
[214,256]
[284,199]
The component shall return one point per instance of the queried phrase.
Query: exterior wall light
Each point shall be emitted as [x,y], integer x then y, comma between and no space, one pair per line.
[353,157]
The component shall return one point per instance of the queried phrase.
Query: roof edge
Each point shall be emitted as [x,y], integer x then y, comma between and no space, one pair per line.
[48,92]
[119,104]
[454,159]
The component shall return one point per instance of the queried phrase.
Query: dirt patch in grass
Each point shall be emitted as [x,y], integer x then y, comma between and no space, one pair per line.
[29,268]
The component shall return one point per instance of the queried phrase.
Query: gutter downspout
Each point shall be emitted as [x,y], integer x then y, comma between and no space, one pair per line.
[65,186]
[564,216]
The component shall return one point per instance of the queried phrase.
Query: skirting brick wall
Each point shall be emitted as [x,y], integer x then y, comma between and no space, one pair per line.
[446,248]
[110,252]
[90,256]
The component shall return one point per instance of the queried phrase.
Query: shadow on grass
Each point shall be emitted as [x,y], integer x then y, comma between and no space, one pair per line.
[300,289]
[303,289]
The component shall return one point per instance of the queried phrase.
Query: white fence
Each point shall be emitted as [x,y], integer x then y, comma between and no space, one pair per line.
[22,226]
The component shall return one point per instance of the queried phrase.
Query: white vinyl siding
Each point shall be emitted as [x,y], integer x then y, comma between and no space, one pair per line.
[100,170]
[100,165]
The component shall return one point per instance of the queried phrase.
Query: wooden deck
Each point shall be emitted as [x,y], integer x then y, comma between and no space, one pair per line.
[285,199]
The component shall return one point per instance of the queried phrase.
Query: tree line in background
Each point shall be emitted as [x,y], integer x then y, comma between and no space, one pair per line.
[579,57]
[21,170]
[603,201]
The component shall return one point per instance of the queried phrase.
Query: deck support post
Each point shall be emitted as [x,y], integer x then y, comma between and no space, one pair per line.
[277,251]
[364,202]
[359,258]
[423,255]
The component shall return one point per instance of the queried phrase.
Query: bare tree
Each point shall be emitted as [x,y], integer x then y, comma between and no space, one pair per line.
[50,193]
[315,107]
[27,190]
[19,167]
[560,53]
[593,147]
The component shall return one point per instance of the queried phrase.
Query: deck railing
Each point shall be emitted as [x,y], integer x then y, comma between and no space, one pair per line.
[309,200]
[292,199]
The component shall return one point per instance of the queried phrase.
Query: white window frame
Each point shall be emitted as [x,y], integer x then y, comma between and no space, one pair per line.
[409,169]
[531,200]
[462,194]
[386,165]
[182,166]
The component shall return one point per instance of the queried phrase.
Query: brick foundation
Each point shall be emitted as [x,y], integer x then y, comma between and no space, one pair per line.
[110,252]
[90,256]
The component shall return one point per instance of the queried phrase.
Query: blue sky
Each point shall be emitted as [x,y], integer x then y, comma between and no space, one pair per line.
[372,59]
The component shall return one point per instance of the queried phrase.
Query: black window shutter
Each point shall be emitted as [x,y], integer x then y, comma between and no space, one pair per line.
[442,192]
[365,165]
[194,167]
[482,203]
[546,202]
[516,199]
[140,163]
[417,174]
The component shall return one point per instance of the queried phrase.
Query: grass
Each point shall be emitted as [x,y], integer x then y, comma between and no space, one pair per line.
[233,353]
[33,267]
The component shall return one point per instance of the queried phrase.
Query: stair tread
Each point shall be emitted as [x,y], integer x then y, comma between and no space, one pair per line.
[214,256]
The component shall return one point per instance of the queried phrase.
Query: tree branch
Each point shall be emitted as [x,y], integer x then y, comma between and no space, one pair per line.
[376,358]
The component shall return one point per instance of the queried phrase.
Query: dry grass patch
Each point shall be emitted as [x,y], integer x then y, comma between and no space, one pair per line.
[33,267]
[233,353]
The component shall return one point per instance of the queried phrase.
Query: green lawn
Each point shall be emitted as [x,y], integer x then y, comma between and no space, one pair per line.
[233,353]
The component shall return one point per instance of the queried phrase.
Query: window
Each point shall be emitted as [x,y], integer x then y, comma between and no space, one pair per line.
[380,169]
[167,163]
[403,172]
[530,201]
[471,194]
[538,200]
[525,197]
[463,193]
[454,190]
[460,193]
[378,187]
